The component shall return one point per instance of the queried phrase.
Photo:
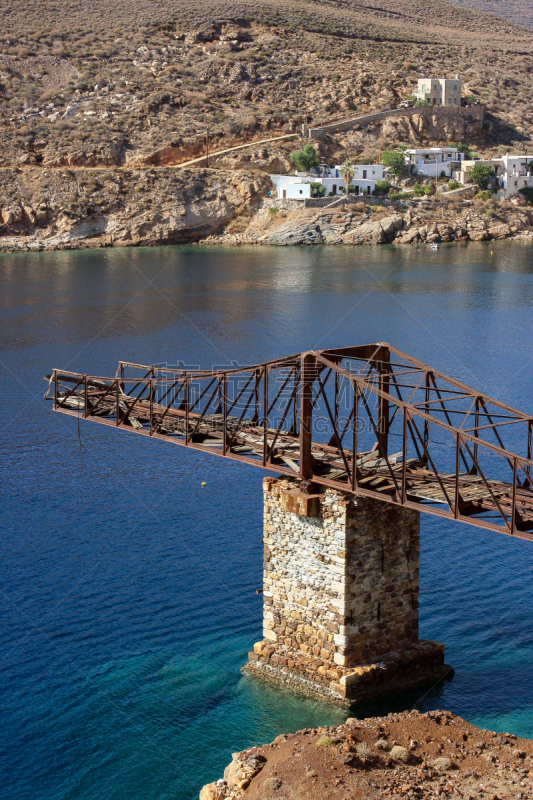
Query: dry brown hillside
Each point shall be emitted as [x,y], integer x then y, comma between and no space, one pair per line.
[106,82]
[518,11]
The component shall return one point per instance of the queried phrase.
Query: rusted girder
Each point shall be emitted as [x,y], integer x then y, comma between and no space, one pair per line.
[368,419]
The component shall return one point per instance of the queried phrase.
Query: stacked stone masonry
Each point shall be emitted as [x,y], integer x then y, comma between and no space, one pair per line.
[341,596]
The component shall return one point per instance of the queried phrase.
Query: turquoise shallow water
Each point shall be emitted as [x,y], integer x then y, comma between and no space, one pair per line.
[128,591]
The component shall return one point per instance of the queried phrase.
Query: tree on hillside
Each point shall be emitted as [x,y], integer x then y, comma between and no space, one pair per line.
[464,148]
[394,160]
[347,171]
[481,175]
[305,159]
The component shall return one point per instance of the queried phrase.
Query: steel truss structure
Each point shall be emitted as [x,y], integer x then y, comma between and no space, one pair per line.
[367,419]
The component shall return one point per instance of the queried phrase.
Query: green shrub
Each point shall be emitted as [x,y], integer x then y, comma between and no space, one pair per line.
[453,185]
[484,195]
[305,159]
[481,175]
[383,187]
[318,190]
[393,160]
[418,190]
[427,190]
[325,741]
[273,211]
[527,192]
[464,148]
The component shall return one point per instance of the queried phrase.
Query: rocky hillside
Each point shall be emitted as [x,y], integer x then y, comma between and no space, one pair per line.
[107,83]
[518,11]
[409,755]
[41,208]
[70,208]
[416,221]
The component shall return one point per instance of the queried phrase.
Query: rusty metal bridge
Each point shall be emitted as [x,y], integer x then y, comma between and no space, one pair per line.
[368,419]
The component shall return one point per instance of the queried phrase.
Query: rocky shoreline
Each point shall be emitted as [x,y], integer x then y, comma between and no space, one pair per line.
[408,755]
[403,222]
[65,209]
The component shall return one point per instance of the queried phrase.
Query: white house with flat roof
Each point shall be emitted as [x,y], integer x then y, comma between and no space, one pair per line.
[439,91]
[292,187]
[298,186]
[431,161]
[512,173]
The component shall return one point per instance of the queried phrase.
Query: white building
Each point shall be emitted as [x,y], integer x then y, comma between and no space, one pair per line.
[292,187]
[298,186]
[512,173]
[439,91]
[431,161]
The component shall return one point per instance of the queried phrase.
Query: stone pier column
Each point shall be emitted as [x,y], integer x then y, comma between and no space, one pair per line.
[341,596]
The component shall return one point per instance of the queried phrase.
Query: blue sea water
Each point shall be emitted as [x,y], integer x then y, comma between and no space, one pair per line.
[128,590]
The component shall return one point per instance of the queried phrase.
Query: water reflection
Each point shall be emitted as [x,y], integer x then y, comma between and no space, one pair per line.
[129,590]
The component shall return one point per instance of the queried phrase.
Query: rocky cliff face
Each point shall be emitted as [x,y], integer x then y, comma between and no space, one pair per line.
[409,755]
[444,125]
[416,221]
[67,208]
[49,209]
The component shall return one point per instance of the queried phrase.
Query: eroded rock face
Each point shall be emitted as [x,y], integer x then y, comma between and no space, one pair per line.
[138,207]
[375,232]
[107,155]
[441,126]
[64,208]
[427,755]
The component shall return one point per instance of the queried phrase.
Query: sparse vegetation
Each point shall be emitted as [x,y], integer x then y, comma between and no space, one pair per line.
[394,160]
[383,187]
[305,159]
[317,190]
[325,741]
[144,82]
[481,175]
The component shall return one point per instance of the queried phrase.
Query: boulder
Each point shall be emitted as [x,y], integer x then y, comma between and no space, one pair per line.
[499,231]
[295,233]
[443,764]
[209,792]
[29,215]
[366,233]
[18,213]
[7,216]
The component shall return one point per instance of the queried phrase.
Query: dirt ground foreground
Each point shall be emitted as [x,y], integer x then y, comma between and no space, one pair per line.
[407,755]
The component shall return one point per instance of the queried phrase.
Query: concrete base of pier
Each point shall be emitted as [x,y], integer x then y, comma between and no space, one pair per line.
[341,597]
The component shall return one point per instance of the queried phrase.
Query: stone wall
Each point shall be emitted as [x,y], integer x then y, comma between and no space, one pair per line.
[340,594]
[442,113]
